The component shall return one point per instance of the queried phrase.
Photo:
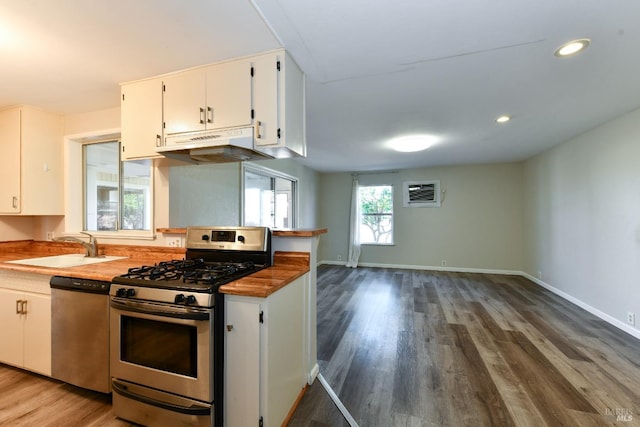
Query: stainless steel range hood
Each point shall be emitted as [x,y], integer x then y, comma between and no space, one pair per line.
[212,146]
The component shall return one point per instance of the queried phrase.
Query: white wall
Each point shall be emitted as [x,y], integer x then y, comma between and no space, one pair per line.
[478,226]
[582,218]
[204,194]
[17,228]
[89,122]
[210,194]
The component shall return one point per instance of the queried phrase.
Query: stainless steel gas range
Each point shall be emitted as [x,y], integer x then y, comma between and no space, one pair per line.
[166,328]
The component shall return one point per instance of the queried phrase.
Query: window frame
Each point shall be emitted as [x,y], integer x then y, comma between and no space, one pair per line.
[392,242]
[74,187]
[271,173]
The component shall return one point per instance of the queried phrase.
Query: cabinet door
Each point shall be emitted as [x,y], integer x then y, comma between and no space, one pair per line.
[11,349]
[37,333]
[141,117]
[229,94]
[184,102]
[41,163]
[10,155]
[242,364]
[266,99]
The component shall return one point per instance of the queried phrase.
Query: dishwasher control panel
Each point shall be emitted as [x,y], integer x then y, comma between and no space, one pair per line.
[80,285]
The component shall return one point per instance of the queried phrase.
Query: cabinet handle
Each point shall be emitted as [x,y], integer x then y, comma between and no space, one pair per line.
[229,328]
[256,130]
[209,115]
[21,306]
[201,115]
[14,202]
[158,140]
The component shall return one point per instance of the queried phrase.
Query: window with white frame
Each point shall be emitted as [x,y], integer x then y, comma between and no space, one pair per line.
[269,198]
[376,213]
[117,194]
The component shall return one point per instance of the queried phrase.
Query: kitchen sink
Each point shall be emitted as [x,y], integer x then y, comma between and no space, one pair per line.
[65,261]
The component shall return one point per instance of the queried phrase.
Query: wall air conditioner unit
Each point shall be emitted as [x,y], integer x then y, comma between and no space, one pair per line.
[421,194]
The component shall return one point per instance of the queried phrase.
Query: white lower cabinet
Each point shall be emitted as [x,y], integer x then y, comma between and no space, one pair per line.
[264,356]
[26,330]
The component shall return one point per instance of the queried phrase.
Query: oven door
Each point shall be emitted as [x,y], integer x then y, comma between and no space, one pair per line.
[163,346]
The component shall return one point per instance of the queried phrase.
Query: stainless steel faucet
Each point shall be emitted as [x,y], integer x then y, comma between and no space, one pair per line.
[91,246]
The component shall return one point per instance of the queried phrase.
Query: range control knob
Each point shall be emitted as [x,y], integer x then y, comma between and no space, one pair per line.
[121,292]
[179,299]
[205,237]
[131,292]
[241,238]
[190,300]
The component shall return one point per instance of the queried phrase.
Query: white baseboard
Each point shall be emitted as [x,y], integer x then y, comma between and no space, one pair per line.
[600,314]
[427,267]
[336,400]
[313,374]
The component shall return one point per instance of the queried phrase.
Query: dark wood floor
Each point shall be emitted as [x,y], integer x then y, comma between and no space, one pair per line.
[418,348]
[421,348]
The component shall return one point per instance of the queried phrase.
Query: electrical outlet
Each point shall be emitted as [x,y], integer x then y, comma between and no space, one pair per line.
[443,262]
[631,318]
[339,257]
[175,243]
[50,235]
[540,275]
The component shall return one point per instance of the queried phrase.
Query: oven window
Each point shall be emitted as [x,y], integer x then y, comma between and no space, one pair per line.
[159,345]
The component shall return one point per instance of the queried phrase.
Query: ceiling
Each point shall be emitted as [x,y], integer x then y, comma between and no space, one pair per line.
[375,69]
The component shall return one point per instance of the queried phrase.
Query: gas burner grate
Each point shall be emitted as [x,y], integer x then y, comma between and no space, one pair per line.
[217,272]
[165,270]
[191,271]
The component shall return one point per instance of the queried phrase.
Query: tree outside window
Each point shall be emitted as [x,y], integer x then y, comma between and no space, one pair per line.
[376,207]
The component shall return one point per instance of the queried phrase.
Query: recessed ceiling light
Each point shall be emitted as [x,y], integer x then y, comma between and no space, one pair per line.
[408,144]
[572,47]
[503,119]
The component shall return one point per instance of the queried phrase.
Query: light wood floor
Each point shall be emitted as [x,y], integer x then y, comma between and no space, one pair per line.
[416,348]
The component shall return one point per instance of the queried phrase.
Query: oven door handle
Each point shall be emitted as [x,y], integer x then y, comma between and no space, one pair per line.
[121,389]
[155,311]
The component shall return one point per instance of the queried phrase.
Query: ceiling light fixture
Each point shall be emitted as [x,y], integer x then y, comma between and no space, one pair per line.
[572,47]
[503,119]
[412,143]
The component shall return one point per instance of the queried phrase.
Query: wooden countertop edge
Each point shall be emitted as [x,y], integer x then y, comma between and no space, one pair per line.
[289,232]
[301,232]
[252,286]
[288,266]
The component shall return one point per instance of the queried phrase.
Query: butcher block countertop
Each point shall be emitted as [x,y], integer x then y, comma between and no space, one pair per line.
[287,267]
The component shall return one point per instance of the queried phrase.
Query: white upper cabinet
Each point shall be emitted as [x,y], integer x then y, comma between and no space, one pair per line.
[229,95]
[265,91]
[31,179]
[185,101]
[141,118]
[10,153]
[213,97]
[279,105]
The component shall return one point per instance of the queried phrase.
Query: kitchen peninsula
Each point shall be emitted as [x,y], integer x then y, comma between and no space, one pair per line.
[295,240]
[283,286]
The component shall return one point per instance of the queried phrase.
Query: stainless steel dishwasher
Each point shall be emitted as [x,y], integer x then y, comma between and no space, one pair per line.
[80,332]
